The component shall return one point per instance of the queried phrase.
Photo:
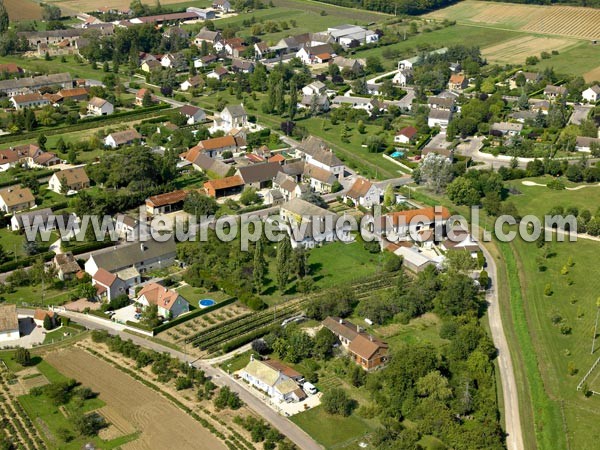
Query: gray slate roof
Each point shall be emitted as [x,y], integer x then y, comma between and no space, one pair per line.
[128,255]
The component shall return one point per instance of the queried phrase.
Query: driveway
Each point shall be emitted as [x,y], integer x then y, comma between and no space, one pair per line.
[126,314]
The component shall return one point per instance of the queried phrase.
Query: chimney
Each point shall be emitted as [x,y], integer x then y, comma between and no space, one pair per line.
[341,320]
[251,356]
[142,247]
[357,329]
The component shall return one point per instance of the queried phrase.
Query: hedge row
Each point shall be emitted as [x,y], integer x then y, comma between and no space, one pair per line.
[196,313]
[36,174]
[83,125]
[90,246]
[25,262]
[247,338]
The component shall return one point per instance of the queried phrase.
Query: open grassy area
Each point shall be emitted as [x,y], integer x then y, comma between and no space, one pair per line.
[453,35]
[59,334]
[77,70]
[577,60]
[337,263]
[32,296]
[307,18]
[551,363]
[193,294]
[539,200]
[332,431]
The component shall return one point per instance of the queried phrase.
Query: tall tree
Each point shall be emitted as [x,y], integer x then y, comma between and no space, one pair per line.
[293,106]
[284,251]
[258,266]
[3,18]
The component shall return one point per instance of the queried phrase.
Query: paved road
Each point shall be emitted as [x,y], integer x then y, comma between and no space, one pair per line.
[471,147]
[512,417]
[219,377]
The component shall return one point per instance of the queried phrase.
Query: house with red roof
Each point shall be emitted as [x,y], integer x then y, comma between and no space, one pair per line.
[406,135]
[169,302]
[108,285]
[363,193]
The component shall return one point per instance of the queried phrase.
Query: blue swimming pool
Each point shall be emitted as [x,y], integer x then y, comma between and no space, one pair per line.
[397,155]
[206,302]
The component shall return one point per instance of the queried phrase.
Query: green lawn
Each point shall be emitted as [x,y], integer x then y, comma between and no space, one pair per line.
[77,70]
[554,362]
[237,362]
[12,242]
[337,263]
[539,200]
[32,296]
[193,294]
[58,334]
[332,432]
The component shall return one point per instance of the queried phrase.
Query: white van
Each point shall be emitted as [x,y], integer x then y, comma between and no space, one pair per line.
[309,388]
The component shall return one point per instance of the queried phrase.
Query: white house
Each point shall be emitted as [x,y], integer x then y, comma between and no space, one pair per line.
[317,153]
[406,135]
[222,5]
[584,143]
[591,94]
[193,114]
[119,138]
[307,224]
[272,380]
[507,128]
[108,285]
[16,198]
[9,323]
[28,101]
[363,193]
[74,179]
[364,103]
[41,216]
[232,116]
[99,107]
[144,256]
[170,304]
[315,88]
[439,117]
[403,77]
[192,83]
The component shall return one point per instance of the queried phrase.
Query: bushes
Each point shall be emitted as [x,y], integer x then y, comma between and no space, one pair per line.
[337,402]
[22,356]
[227,399]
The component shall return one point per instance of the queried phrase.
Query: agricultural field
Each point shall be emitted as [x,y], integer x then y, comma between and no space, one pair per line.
[161,424]
[560,325]
[517,50]
[582,59]
[23,9]
[76,6]
[568,21]
[308,17]
[453,35]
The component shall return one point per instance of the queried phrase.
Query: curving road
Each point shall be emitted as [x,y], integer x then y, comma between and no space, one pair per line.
[219,377]
[512,417]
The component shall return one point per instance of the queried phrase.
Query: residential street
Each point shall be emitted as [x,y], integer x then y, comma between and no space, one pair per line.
[219,377]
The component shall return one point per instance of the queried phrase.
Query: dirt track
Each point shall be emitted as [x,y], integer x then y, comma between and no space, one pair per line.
[162,425]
